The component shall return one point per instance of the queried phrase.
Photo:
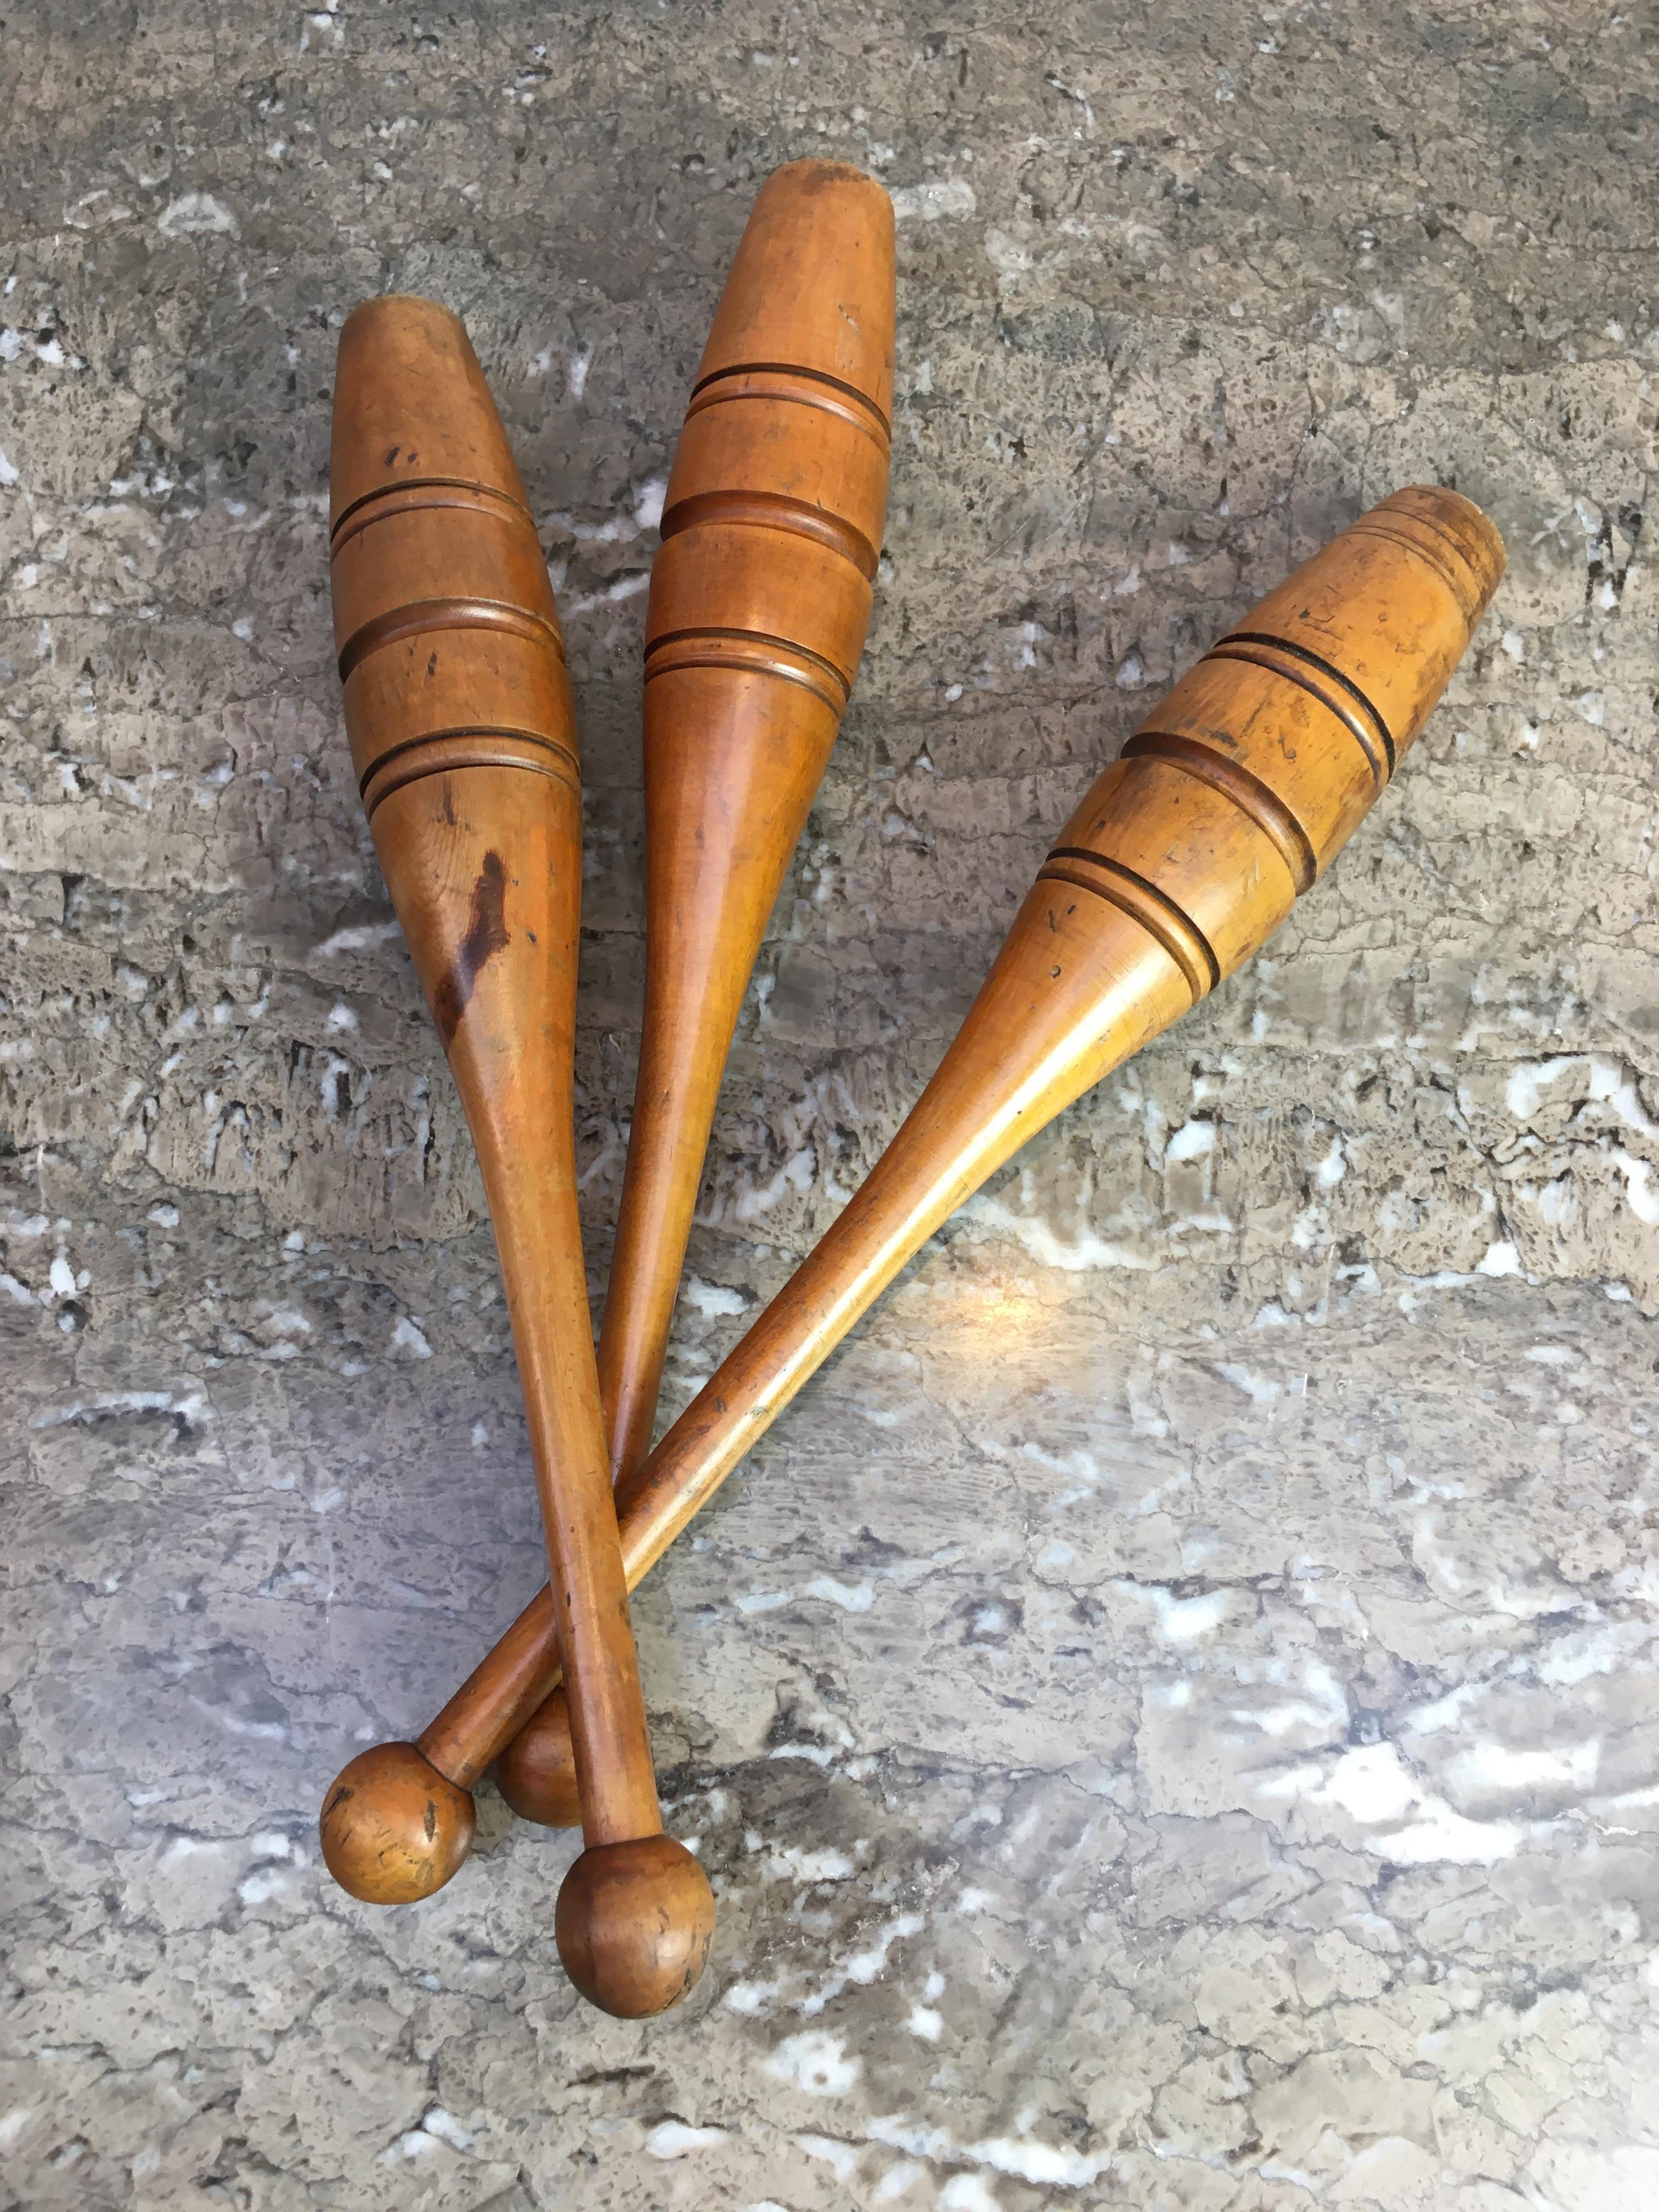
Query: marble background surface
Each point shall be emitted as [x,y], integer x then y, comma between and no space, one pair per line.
[1171,1711]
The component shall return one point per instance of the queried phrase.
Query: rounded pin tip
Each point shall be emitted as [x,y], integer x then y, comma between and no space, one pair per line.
[1457,525]
[412,408]
[811,286]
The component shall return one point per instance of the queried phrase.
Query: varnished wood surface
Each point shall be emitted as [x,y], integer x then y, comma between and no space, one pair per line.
[760,598]
[536,1772]
[462,732]
[1185,855]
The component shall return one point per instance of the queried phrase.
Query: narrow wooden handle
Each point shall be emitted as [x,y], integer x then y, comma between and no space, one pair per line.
[461,730]
[1234,795]
[760,599]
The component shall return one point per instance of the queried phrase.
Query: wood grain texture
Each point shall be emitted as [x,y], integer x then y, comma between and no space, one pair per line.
[462,734]
[1181,860]
[760,599]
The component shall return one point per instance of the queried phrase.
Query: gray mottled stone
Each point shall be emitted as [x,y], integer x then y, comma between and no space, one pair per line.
[1171,1712]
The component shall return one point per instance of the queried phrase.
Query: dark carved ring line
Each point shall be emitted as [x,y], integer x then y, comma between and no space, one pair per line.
[420,615]
[563,756]
[1247,792]
[1143,901]
[772,510]
[751,648]
[860,399]
[1362,721]
[337,529]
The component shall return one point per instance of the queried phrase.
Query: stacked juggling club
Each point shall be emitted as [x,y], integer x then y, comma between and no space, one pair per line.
[760,599]
[1186,854]
[460,717]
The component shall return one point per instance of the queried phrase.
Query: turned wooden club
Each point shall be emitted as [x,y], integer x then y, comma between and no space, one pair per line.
[1185,855]
[760,599]
[462,733]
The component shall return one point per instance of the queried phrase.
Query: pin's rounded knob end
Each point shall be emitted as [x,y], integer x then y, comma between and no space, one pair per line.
[536,1772]
[634,1924]
[393,1829]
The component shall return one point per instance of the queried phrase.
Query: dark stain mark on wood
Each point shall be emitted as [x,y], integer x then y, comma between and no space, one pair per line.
[486,935]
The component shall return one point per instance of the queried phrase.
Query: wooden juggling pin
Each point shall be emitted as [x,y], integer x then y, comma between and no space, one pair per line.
[1189,852]
[459,716]
[760,599]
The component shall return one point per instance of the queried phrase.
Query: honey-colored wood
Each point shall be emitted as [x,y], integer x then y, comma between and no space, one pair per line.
[1235,794]
[760,599]
[394,1828]
[462,733]
[536,1772]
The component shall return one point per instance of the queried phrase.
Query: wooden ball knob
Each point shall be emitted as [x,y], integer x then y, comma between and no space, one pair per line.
[633,1924]
[394,1829]
[536,1772]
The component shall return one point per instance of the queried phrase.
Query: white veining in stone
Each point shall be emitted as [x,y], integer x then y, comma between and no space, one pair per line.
[1172,1713]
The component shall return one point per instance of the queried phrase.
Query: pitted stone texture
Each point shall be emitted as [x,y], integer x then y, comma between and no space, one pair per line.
[1171,1713]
